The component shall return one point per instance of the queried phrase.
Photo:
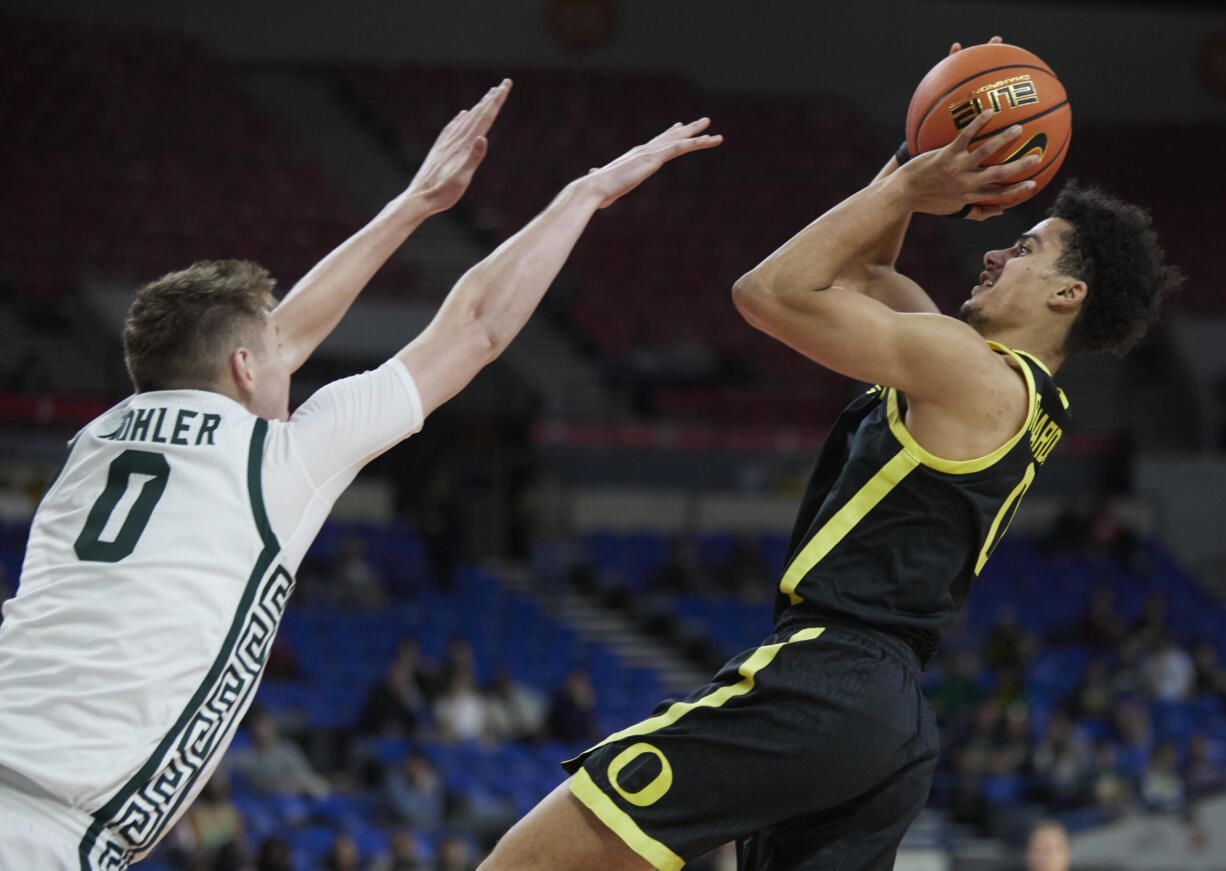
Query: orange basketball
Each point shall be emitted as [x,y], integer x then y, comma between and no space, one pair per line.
[1017,85]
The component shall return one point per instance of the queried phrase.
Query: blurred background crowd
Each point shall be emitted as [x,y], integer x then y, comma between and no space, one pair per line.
[599,521]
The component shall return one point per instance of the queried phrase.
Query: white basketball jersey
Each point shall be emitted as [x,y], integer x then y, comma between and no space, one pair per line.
[156,574]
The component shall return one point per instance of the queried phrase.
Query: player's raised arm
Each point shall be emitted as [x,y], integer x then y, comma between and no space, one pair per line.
[793,295]
[874,273]
[318,301]
[493,300]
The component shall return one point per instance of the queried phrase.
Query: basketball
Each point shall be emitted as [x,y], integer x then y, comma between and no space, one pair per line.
[1018,86]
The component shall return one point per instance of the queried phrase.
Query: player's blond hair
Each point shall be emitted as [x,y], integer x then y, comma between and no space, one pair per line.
[183,327]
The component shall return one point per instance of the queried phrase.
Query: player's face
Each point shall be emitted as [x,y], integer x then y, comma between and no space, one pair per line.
[1017,281]
[1048,850]
[270,398]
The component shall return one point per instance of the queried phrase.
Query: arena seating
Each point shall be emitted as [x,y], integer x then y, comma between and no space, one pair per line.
[656,270]
[339,654]
[127,154]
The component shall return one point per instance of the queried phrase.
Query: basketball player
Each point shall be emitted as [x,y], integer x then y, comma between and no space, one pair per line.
[160,559]
[817,749]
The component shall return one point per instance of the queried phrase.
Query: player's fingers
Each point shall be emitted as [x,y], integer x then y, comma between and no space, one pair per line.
[1004,192]
[665,135]
[963,140]
[481,116]
[685,146]
[996,40]
[999,141]
[477,112]
[684,131]
[955,48]
[1000,172]
[983,212]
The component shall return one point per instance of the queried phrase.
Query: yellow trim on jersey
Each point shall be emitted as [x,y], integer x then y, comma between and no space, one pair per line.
[845,520]
[754,663]
[1029,356]
[620,823]
[978,464]
[993,539]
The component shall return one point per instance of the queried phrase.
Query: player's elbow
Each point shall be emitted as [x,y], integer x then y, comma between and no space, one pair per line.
[753,299]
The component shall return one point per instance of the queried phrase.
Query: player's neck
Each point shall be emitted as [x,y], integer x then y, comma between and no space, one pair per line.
[1039,346]
[226,387]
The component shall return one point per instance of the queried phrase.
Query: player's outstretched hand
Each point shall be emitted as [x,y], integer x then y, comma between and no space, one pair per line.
[457,152]
[943,181]
[616,179]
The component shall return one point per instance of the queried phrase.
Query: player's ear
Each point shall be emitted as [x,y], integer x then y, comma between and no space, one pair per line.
[1069,297]
[241,366]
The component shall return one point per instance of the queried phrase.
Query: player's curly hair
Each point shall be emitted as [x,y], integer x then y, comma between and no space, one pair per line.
[183,326]
[1112,248]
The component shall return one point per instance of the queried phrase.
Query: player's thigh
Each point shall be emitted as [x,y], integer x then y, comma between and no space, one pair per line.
[862,834]
[560,834]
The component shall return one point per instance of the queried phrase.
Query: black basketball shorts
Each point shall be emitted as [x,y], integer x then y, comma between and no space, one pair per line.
[815,750]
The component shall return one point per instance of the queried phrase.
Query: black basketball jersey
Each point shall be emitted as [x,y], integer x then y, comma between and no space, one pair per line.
[891,536]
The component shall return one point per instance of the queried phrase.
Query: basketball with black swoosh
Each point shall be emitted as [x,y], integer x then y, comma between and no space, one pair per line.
[1013,82]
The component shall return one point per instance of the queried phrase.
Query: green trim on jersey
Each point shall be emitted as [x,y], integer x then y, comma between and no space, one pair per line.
[255,491]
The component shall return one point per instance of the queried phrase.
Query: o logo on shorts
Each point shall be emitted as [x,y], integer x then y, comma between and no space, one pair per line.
[652,792]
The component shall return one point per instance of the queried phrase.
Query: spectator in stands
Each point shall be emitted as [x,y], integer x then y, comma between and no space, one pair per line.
[460,712]
[959,691]
[459,658]
[1210,675]
[274,855]
[1150,627]
[516,712]
[1061,762]
[572,712]
[744,572]
[416,795]
[274,763]
[1011,750]
[1128,676]
[1202,773]
[1094,697]
[1134,726]
[396,706]
[454,854]
[1009,646]
[1169,671]
[1102,627]
[403,853]
[1162,787]
[974,760]
[344,855]
[357,584]
[214,821]
[1111,787]
[1047,848]
[682,572]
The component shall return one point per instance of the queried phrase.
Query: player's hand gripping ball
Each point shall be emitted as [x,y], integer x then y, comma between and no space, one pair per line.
[1018,86]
